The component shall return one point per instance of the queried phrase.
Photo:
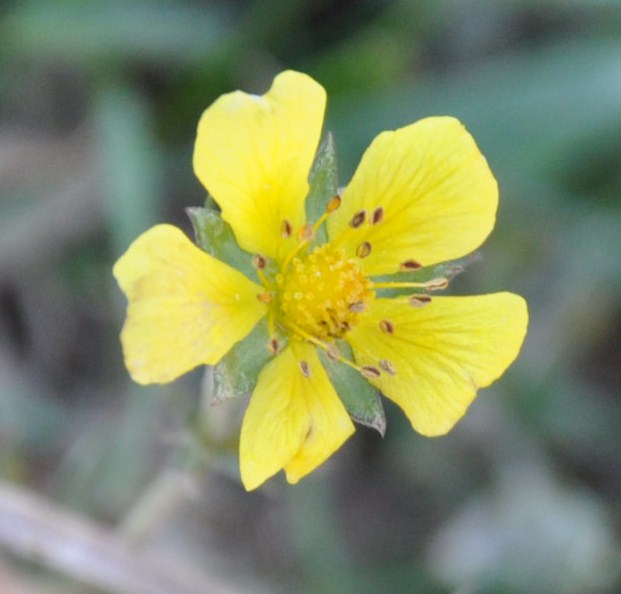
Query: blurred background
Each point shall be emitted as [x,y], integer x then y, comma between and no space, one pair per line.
[109,487]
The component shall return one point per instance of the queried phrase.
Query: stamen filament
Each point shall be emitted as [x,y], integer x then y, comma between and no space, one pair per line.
[326,347]
[264,280]
[431,285]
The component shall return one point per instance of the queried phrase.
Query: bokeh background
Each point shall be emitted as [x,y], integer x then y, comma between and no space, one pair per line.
[109,487]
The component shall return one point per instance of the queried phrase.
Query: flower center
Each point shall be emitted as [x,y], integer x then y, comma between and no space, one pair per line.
[323,293]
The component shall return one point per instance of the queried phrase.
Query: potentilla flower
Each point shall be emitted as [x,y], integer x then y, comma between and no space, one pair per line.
[422,195]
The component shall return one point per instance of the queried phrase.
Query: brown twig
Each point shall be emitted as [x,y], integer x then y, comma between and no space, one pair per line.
[37,530]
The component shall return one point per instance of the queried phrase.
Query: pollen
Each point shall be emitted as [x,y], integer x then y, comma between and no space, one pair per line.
[323,294]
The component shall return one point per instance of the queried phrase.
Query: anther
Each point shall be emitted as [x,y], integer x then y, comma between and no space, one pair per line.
[273,346]
[265,298]
[387,366]
[304,368]
[370,372]
[306,233]
[437,284]
[259,262]
[378,216]
[358,307]
[286,229]
[387,326]
[358,219]
[333,352]
[410,265]
[419,300]
[334,204]
[363,250]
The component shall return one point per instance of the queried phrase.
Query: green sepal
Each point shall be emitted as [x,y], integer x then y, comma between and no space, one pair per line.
[216,237]
[324,185]
[447,270]
[237,372]
[361,399]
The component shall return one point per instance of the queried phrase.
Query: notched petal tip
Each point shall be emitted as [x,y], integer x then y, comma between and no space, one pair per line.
[254,154]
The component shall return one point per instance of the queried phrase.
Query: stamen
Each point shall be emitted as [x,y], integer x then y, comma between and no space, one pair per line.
[334,204]
[333,352]
[387,326]
[435,284]
[358,219]
[363,250]
[410,265]
[419,300]
[358,307]
[387,366]
[286,229]
[306,233]
[370,372]
[259,262]
[265,298]
[378,216]
[304,368]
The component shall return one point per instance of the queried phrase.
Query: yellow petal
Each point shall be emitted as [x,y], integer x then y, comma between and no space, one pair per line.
[430,192]
[294,421]
[185,307]
[440,353]
[254,153]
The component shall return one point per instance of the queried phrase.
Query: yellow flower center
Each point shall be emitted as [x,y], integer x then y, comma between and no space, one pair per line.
[323,293]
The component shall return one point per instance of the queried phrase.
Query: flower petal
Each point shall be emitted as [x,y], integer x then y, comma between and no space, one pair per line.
[427,195]
[254,154]
[186,308]
[441,353]
[294,421]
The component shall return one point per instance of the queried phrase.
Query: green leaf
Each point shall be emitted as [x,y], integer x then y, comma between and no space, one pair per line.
[236,374]
[215,236]
[323,182]
[361,399]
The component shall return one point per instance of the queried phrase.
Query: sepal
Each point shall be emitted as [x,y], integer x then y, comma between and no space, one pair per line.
[215,236]
[323,182]
[361,399]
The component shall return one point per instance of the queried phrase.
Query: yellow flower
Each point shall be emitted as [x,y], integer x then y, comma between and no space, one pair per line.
[422,195]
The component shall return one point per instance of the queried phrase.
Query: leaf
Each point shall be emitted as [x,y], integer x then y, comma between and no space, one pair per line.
[361,399]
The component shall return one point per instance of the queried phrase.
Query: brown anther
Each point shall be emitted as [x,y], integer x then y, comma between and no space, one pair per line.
[304,368]
[387,366]
[437,284]
[259,262]
[265,298]
[363,250]
[378,215]
[419,300]
[370,372]
[359,218]
[306,233]
[387,326]
[286,229]
[333,352]
[358,307]
[410,265]
[273,345]
[334,204]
